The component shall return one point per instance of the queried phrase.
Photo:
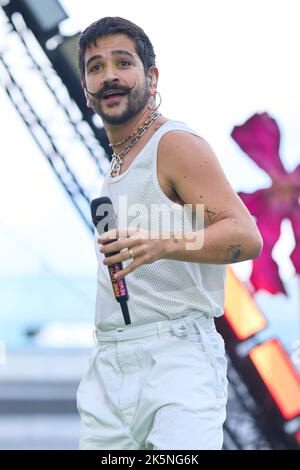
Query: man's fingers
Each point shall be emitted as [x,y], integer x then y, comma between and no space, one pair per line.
[117,245]
[118,233]
[131,267]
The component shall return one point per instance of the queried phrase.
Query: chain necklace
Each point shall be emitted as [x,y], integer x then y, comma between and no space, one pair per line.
[117,158]
[117,144]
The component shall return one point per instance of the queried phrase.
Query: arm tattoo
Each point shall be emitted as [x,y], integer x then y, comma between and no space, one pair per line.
[234,252]
[210,215]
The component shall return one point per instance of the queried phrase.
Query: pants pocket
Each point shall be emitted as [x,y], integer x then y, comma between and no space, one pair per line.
[209,345]
[220,362]
[91,359]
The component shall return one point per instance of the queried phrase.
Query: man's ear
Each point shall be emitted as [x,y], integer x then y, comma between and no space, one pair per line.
[87,96]
[153,77]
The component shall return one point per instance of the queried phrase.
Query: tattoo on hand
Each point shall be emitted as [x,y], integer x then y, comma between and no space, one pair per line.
[234,252]
[174,239]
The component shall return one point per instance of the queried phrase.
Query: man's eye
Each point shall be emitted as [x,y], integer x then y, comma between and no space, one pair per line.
[95,68]
[124,62]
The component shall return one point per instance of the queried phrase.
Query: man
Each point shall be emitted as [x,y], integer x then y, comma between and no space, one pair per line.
[160,382]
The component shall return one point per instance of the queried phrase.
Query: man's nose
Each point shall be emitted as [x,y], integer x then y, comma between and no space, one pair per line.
[110,75]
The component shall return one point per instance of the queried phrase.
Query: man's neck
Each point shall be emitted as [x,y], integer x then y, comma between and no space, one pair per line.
[117,132]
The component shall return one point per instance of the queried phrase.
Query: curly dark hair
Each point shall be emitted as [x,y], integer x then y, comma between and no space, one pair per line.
[115,25]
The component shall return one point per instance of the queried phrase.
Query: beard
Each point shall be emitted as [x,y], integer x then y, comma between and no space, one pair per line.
[137,99]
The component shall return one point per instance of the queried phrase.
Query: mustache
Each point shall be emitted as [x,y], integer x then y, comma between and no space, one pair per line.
[99,94]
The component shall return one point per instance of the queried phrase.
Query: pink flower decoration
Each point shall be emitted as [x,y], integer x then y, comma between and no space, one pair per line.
[259,138]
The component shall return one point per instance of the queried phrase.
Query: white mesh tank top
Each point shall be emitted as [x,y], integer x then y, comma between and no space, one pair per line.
[165,289]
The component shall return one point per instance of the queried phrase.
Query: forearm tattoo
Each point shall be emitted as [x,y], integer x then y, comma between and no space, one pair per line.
[234,253]
[210,215]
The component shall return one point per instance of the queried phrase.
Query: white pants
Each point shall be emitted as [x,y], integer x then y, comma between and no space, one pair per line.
[157,386]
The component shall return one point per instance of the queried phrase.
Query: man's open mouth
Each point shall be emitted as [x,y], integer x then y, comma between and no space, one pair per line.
[113,95]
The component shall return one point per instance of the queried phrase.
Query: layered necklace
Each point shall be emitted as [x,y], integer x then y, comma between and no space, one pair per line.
[117,158]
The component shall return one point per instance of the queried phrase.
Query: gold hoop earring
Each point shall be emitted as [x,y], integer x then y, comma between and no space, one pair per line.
[160,100]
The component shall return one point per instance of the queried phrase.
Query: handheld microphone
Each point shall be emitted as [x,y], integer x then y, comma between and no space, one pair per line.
[104,219]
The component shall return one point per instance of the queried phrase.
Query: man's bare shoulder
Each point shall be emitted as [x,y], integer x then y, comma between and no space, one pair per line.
[192,169]
[180,138]
[181,151]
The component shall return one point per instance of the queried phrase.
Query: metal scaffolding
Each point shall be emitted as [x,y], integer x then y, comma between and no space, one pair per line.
[65,139]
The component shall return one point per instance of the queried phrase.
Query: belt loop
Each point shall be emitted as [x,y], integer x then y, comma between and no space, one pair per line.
[159,329]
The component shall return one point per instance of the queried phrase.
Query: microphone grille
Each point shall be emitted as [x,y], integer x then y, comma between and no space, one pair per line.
[103,214]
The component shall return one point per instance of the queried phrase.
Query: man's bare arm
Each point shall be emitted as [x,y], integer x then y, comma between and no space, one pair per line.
[193,171]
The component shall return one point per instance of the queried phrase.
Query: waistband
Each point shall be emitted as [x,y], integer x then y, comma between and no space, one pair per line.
[155,328]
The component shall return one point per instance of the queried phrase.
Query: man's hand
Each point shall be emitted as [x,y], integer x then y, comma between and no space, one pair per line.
[146,247]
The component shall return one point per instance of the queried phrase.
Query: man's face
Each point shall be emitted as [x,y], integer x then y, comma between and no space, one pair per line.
[113,65]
